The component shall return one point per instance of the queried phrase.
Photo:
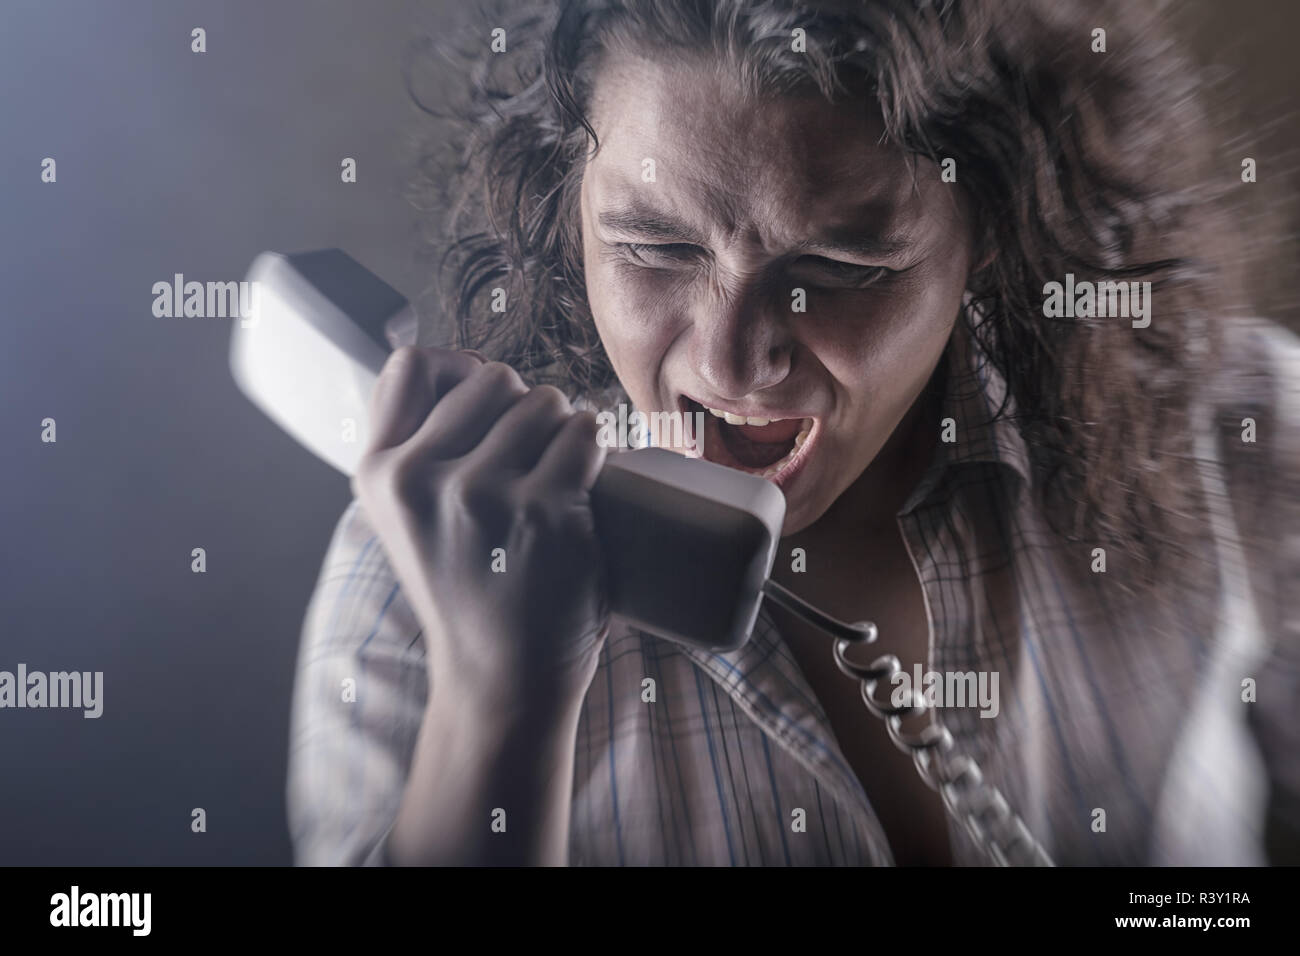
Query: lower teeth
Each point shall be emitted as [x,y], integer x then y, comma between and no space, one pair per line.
[774,468]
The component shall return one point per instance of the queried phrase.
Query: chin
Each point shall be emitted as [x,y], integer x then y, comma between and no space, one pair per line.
[796,522]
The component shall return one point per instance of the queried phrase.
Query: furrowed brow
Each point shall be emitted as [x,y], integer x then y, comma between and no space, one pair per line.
[857,246]
[647,224]
[876,228]
[851,243]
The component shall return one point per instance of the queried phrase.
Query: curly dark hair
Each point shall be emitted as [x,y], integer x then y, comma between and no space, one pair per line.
[1074,161]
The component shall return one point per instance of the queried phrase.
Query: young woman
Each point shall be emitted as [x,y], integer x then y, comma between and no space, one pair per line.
[858,235]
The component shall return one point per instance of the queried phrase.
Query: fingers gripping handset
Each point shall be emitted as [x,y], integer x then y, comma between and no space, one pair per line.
[479,488]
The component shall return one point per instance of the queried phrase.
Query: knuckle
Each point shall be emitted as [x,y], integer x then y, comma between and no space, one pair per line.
[401,361]
[533,512]
[405,475]
[468,491]
[392,478]
[364,479]
[453,487]
[500,374]
[454,360]
[584,422]
[550,399]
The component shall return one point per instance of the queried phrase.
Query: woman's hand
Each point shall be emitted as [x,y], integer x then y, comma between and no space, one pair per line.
[478,489]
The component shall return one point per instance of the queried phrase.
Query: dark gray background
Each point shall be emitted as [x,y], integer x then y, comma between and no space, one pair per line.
[170,161]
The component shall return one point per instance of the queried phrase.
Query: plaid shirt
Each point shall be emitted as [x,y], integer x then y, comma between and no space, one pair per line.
[1105,704]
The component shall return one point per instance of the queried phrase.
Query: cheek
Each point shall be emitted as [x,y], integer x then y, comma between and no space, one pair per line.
[636,324]
[880,345]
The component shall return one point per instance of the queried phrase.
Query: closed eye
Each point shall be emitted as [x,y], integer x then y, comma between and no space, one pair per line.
[815,270]
[652,253]
[823,271]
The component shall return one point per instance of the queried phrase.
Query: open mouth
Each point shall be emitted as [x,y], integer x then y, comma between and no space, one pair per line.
[772,448]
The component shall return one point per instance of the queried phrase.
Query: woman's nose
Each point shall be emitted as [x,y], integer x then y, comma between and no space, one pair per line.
[739,344]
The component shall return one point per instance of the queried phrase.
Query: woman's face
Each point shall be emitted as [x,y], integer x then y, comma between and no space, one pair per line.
[769,260]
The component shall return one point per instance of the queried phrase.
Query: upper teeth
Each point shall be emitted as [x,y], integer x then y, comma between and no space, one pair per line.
[732,419]
[772,470]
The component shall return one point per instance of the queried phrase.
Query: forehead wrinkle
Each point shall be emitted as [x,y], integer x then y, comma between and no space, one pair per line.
[725,211]
[778,173]
[712,154]
[692,178]
[700,204]
[871,224]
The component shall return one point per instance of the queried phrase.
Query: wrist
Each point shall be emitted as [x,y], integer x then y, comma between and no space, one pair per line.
[469,762]
[514,695]
[488,716]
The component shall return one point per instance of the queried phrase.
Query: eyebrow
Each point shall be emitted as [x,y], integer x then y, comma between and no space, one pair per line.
[648,224]
[844,242]
[856,245]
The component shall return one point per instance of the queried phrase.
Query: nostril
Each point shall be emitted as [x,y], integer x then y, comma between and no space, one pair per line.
[741,368]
